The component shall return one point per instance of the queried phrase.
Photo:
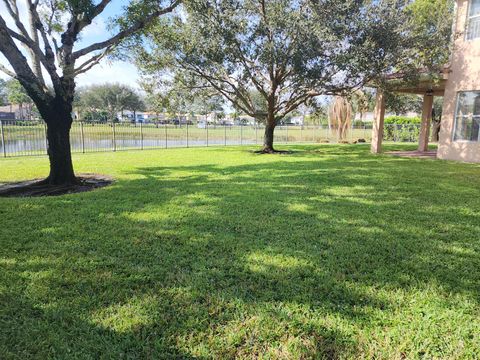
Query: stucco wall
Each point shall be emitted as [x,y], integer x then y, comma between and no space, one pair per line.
[464,76]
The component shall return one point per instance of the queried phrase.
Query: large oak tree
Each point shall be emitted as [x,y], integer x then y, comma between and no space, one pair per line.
[288,51]
[47,43]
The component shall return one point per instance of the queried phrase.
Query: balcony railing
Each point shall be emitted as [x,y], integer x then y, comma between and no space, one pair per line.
[473,28]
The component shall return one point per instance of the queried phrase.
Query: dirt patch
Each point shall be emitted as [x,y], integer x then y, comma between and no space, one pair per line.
[270,152]
[414,154]
[38,187]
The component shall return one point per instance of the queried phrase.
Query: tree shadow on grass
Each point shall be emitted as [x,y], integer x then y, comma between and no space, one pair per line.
[287,258]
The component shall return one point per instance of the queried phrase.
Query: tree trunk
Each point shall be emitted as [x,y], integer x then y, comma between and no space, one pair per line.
[270,123]
[59,153]
[436,131]
[268,138]
[36,64]
[437,124]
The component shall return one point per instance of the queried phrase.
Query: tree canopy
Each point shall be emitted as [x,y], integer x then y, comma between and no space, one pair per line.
[15,93]
[287,51]
[172,96]
[3,92]
[401,104]
[431,24]
[107,100]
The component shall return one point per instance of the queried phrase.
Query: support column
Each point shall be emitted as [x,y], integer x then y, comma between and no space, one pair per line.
[378,122]
[426,120]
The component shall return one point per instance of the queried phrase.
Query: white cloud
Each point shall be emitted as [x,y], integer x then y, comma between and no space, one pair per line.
[96,29]
[106,71]
[118,72]
[22,10]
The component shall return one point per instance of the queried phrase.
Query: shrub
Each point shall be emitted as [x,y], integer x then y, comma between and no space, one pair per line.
[358,123]
[402,128]
[402,120]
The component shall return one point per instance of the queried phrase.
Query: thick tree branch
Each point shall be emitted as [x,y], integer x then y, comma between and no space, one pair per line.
[99,9]
[28,44]
[36,62]
[20,66]
[125,33]
[13,11]
[79,21]
[47,60]
[294,103]
[7,72]
[233,95]
[24,37]
[88,64]
[249,65]
[18,36]
[79,25]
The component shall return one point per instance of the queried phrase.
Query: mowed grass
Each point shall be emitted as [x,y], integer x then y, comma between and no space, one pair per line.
[221,253]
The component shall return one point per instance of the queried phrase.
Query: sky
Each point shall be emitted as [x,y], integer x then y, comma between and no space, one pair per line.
[106,71]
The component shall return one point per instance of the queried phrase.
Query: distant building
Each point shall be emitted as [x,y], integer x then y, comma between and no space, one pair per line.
[131,116]
[7,115]
[245,120]
[24,112]
[297,120]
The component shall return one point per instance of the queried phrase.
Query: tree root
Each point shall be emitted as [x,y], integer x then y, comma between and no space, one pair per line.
[32,188]
[48,181]
[272,151]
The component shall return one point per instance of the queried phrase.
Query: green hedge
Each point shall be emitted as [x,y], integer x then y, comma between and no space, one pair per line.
[402,120]
[358,123]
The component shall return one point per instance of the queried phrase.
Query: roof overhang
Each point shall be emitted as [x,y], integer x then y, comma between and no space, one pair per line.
[425,83]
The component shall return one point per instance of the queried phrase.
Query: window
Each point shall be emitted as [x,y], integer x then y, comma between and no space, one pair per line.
[473,30]
[467,117]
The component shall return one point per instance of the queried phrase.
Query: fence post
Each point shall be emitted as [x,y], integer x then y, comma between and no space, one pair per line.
[241,134]
[225,134]
[166,135]
[4,146]
[301,133]
[187,133]
[82,137]
[206,127]
[114,137]
[46,137]
[256,133]
[141,135]
[287,134]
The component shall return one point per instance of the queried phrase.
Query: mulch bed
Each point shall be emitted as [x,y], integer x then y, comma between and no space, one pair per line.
[284,152]
[37,187]
[414,154]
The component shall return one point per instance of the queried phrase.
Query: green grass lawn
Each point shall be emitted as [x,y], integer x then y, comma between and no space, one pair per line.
[219,253]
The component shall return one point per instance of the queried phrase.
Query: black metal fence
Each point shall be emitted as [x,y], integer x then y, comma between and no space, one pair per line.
[29,137]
